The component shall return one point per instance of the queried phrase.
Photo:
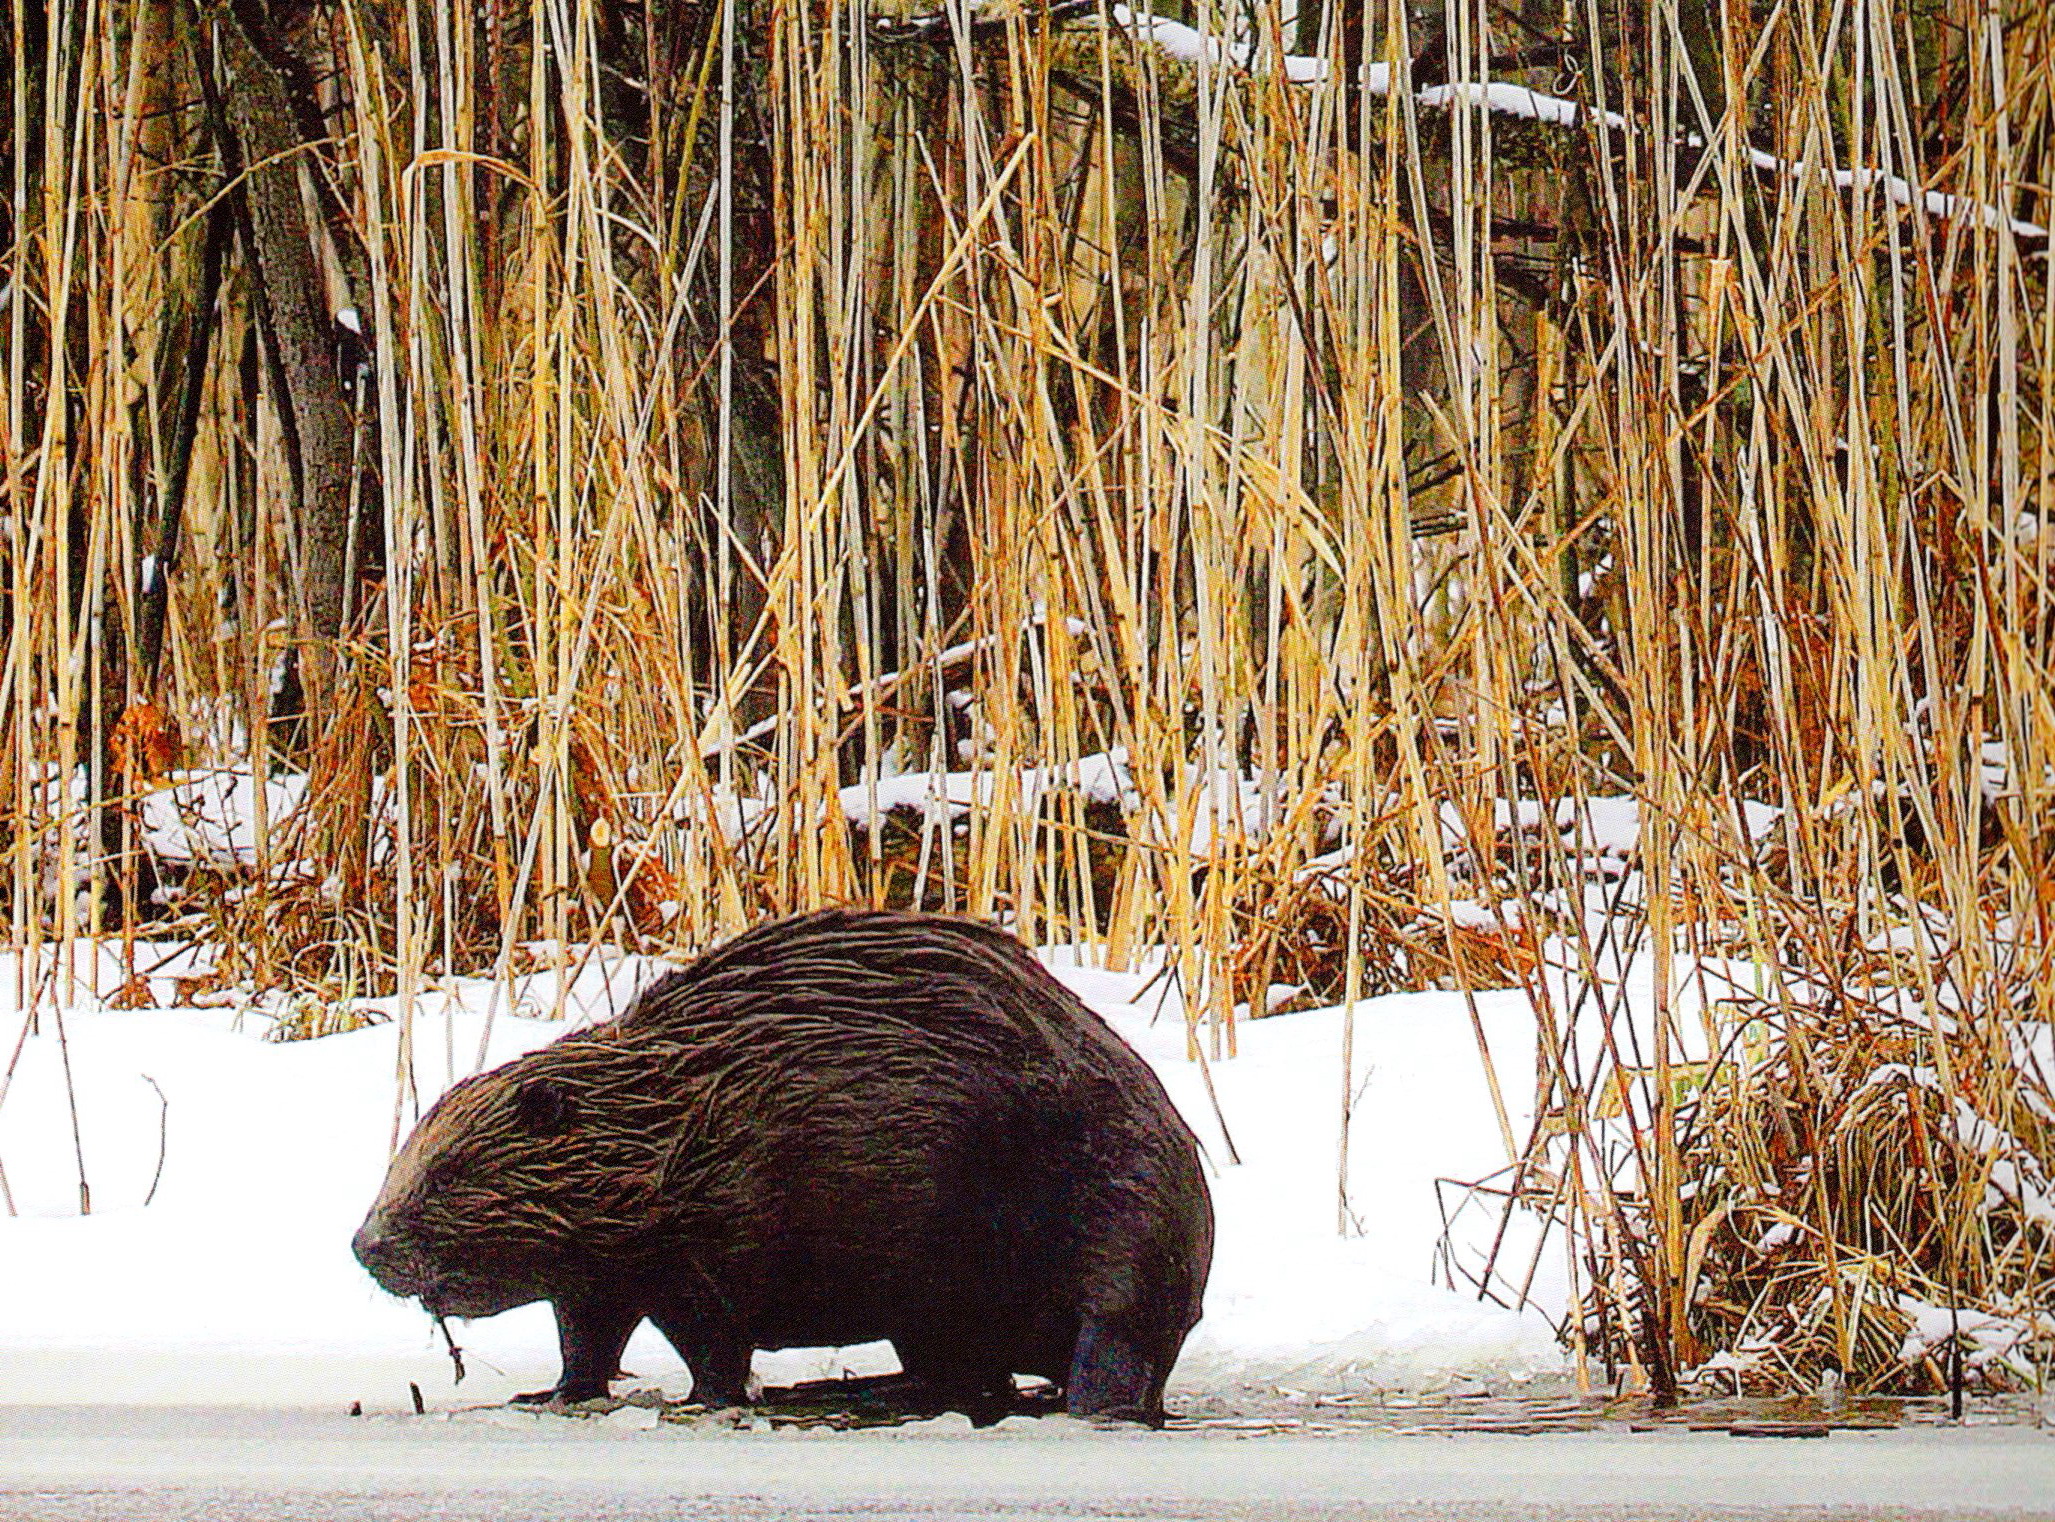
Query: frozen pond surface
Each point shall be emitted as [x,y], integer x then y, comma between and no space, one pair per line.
[64,1463]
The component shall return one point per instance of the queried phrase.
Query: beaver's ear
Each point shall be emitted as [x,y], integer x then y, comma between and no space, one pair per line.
[544,1107]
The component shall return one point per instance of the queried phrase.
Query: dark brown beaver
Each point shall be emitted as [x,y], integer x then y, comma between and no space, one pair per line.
[837,1127]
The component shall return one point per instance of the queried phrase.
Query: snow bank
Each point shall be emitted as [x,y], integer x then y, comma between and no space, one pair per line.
[1293,1302]
[228,1172]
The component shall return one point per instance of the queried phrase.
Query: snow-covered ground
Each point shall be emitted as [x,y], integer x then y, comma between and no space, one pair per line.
[227,1173]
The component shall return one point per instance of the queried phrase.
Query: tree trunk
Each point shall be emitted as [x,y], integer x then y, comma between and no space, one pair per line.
[317,423]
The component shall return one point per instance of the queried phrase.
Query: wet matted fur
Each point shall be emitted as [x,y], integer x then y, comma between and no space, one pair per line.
[837,1127]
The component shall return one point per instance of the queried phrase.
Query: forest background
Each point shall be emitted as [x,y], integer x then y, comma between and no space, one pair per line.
[620,471]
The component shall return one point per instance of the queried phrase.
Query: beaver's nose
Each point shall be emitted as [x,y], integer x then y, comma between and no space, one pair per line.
[369,1243]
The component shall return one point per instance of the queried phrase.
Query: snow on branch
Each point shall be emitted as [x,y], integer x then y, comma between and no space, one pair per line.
[1902,192]
[1190,46]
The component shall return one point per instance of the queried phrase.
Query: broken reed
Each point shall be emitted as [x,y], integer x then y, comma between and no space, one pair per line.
[759,412]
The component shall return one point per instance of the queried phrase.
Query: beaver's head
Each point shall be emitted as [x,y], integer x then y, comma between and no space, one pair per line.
[516,1180]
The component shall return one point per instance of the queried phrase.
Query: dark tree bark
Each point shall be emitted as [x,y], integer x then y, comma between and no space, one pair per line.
[268,139]
[191,355]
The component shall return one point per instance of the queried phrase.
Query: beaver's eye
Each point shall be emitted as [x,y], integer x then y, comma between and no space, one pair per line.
[544,1107]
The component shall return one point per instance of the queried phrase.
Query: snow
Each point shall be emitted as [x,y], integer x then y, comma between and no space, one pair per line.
[209,814]
[937,797]
[228,1172]
[1294,1302]
[1220,803]
[1514,100]
[1986,1338]
[1902,192]
[1594,827]
[1189,45]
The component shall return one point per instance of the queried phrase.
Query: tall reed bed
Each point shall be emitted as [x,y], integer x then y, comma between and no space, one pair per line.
[995,463]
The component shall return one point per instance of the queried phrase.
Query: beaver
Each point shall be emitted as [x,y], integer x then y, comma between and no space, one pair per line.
[838,1127]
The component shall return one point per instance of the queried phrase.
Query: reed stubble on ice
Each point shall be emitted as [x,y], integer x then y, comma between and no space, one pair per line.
[838,1127]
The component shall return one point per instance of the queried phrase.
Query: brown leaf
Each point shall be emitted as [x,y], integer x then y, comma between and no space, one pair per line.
[134,994]
[145,743]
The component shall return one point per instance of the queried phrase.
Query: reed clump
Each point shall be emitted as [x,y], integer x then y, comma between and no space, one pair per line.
[1848,1202]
